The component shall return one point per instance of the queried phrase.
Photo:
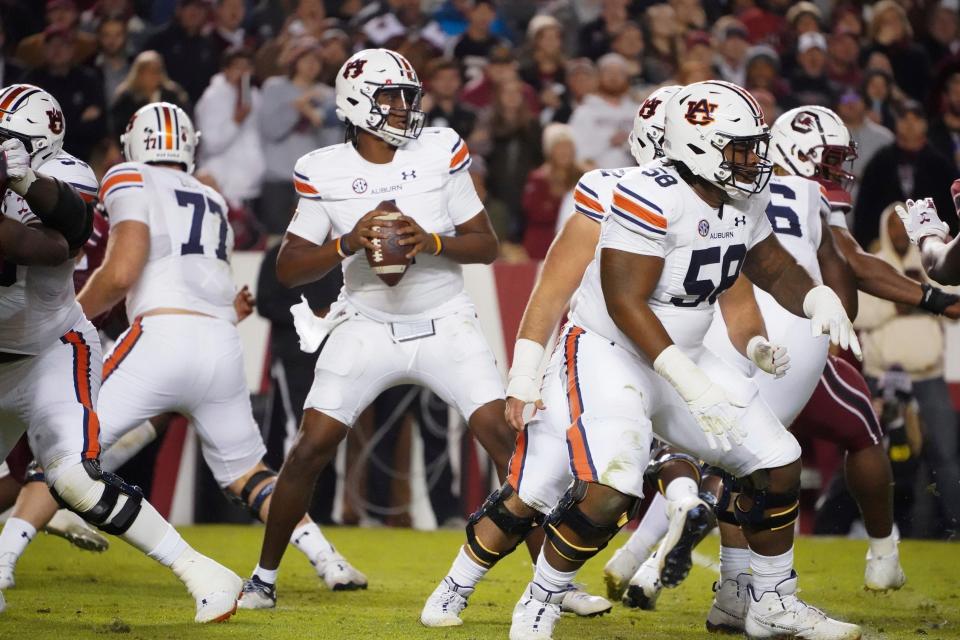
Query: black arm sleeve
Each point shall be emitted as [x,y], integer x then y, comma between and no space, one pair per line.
[70,215]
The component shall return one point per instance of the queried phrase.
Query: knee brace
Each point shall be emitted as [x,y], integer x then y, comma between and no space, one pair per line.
[34,473]
[505,520]
[254,505]
[102,499]
[730,486]
[664,455]
[592,536]
[785,506]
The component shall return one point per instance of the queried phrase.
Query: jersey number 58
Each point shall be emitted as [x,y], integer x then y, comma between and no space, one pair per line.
[699,289]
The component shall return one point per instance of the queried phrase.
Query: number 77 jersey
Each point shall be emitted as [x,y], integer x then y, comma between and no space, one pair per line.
[654,212]
[188,266]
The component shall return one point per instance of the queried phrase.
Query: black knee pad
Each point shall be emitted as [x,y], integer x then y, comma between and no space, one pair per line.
[100,514]
[494,507]
[593,536]
[243,500]
[662,456]
[729,485]
[785,506]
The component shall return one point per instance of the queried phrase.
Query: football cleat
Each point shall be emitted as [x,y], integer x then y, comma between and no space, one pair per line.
[3,603]
[214,587]
[618,571]
[443,607]
[72,528]
[337,573]
[8,564]
[883,573]
[645,585]
[781,614]
[534,619]
[730,601]
[578,602]
[257,594]
[691,519]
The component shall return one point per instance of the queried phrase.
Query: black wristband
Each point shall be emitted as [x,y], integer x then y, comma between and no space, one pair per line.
[936,300]
[71,216]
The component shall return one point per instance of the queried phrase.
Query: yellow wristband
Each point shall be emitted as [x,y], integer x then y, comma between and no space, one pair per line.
[436,238]
[340,248]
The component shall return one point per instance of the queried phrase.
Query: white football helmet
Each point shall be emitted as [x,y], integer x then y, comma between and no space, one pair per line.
[34,117]
[367,75]
[160,132]
[646,139]
[813,142]
[702,120]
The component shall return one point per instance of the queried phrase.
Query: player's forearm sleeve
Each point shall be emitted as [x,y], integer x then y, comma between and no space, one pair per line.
[71,216]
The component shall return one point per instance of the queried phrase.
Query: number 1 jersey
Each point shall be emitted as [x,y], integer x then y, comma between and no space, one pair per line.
[188,266]
[654,212]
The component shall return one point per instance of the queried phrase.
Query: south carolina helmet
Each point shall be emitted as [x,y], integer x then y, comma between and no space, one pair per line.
[813,142]
[361,80]
[160,132]
[646,139]
[34,117]
[702,119]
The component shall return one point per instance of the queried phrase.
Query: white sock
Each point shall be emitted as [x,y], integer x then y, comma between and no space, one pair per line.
[733,562]
[653,526]
[548,583]
[170,547]
[267,575]
[129,445]
[153,535]
[15,537]
[681,487]
[769,571]
[308,539]
[465,573]
[879,547]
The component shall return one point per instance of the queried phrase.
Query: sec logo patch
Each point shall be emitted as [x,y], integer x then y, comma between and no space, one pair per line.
[359,185]
[703,228]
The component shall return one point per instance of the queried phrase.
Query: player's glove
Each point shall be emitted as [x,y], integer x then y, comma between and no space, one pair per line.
[523,380]
[921,220]
[828,317]
[19,173]
[715,411]
[772,358]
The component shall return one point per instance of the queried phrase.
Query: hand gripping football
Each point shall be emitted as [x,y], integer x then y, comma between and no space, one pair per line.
[388,259]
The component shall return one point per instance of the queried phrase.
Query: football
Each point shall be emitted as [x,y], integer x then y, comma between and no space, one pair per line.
[388,260]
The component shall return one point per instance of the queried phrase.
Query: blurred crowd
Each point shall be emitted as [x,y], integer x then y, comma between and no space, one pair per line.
[541,90]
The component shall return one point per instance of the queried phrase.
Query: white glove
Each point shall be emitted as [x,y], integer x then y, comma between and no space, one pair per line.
[18,165]
[523,380]
[828,317]
[921,220]
[714,410]
[772,358]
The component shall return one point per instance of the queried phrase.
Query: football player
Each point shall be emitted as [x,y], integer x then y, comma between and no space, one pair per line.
[631,361]
[50,354]
[940,255]
[424,330]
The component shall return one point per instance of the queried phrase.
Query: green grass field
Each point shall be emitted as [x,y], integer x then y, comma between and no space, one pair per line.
[64,594]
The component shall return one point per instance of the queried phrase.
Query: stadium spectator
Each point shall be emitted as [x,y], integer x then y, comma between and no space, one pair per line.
[663,43]
[403,26]
[147,81]
[188,53]
[10,70]
[61,15]
[595,36]
[908,168]
[809,83]
[698,46]
[693,71]
[543,67]
[228,116]
[843,58]
[581,82]
[869,136]
[604,119]
[78,89]
[227,31]
[764,21]
[136,28]
[113,60]
[334,51]
[878,92]
[546,187]
[441,104]
[732,46]
[629,43]
[891,34]
[474,46]
[512,152]
[763,72]
[889,340]
[945,131]
[502,67]
[297,115]
[942,37]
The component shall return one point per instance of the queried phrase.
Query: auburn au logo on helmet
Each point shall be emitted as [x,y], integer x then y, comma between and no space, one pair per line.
[700,112]
[649,108]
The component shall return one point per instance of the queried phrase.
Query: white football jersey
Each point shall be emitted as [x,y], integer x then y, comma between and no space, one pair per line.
[38,304]
[428,180]
[190,239]
[594,192]
[796,212]
[654,212]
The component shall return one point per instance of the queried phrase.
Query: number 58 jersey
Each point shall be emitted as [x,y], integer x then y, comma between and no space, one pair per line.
[191,242]
[654,212]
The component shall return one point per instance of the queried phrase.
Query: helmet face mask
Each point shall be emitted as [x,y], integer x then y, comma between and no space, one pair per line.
[745,162]
[399,109]
[834,164]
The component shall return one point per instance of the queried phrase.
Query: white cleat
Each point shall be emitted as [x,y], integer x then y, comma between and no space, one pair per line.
[8,563]
[730,601]
[645,585]
[691,519]
[883,573]
[3,603]
[74,530]
[618,571]
[337,573]
[257,594]
[579,602]
[534,619]
[443,607]
[781,614]
[214,587]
